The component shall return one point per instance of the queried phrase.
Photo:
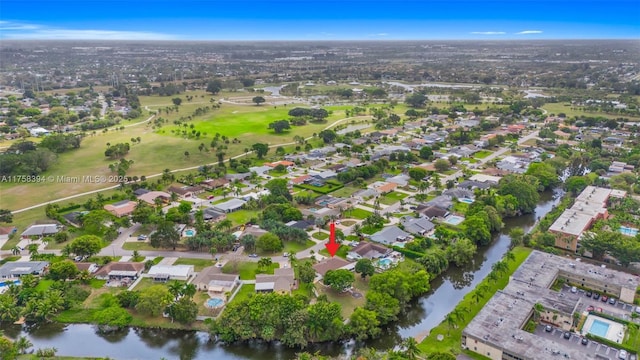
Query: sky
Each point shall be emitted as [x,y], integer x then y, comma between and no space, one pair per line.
[319,19]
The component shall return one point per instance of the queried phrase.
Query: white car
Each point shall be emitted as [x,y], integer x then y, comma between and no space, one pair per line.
[574,289]
[622,354]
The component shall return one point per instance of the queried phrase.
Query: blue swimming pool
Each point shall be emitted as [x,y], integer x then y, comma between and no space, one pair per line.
[384,262]
[628,231]
[466,200]
[599,328]
[454,219]
[214,302]
[189,233]
[9,282]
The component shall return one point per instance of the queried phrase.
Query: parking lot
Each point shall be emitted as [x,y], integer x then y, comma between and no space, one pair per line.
[574,342]
[620,310]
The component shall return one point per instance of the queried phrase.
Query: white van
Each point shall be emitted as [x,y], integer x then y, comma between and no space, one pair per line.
[638,309]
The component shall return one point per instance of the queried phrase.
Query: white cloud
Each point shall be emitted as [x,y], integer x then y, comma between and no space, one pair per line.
[488,32]
[527,32]
[14,30]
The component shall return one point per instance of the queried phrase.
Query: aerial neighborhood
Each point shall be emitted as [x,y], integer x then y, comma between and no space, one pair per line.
[210,203]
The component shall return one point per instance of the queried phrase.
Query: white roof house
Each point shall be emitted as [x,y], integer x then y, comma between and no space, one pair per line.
[175,272]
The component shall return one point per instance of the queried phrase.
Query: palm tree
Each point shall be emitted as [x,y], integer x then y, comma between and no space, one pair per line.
[33,250]
[224,225]
[492,276]
[500,267]
[509,256]
[189,290]
[451,322]
[477,295]
[175,288]
[16,250]
[265,262]
[411,350]
[136,254]
[22,344]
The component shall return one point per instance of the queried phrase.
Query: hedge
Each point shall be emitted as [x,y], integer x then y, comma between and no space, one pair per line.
[408,253]
[612,344]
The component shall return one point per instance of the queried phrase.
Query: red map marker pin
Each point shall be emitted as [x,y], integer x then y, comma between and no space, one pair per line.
[332,246]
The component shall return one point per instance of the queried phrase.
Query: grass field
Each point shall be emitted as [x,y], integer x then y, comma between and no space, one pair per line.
[561,107]
[342,252]
[347,302]
[482,154]
[392,198]
[242,217]
[320,235]
[139,246]
[246,270]
[198,264]
[294,247]
[245,291]
[358,213]
[468,306]
[157,151]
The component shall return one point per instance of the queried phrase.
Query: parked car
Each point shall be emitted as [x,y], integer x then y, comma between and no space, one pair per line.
[574,289]
[253,255]
[596,296]
[638,309]
[548,328]
[567,335]
[590,308]
[588,293]
[584,341]
[612,301]
[604,298]
[622,354]
[285,254]
[142,237]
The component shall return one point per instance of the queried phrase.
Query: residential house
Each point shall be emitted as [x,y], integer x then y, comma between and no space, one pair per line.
[284,163]
[368,250]
[41,230]
[16,269]
[301,224]
[186,191]
[229,206]
[333,263]
[89,267]
[6,232]
[400,180]
[173,272]
[442,201]
[140,191]
[282,281]
[260,170]
[491,180]
[472,185]
[431,212]
[120,271]
[121,208]
[384,187]
[253,230]
[74,218]
[457,193]
[389,235]
[417,226]
[212,215]
[212,280]
[151,196]
[212,184]
[364,194]
[299,180]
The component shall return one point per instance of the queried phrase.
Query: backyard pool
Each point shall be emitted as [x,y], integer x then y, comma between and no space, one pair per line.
[9,282]
[214,302]
[454,219]
[466,200]
[604,328]
[189,233]
[384,263]
[628,231]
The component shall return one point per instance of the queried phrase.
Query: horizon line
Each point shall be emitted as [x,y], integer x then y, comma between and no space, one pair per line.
[318,40]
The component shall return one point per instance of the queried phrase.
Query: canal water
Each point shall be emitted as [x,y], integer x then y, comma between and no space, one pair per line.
[150,344]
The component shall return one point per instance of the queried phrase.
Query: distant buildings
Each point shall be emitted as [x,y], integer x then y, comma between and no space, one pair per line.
[588,207]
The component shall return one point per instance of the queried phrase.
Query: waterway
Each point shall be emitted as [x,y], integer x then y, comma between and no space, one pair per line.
[146,344]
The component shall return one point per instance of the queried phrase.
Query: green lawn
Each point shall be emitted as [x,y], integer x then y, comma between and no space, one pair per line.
[242,217]
[245,291]
[392,198]
[10,258]
[198,264]
[482,154]
[342,251]
[246,270]
[347,302]
[44,285]
[320,235]
[140,245]
[345,192]
[358,213]
[348,222]
[453,336]
[294,247]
